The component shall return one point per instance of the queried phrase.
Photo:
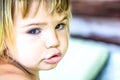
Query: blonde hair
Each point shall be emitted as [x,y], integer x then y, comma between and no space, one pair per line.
[9,7]
[1,27]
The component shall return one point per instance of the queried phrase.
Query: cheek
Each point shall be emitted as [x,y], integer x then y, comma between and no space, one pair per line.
[64,43]
[28,51]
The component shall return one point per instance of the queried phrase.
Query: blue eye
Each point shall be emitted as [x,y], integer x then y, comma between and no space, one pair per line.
[60,26]
[34,31]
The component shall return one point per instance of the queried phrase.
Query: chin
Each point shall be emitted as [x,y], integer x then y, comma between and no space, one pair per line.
[48,67]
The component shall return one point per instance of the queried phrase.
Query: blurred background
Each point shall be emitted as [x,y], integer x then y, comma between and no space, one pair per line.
[99,21]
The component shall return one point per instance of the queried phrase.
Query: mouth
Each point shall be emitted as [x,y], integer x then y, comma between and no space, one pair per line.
[53,58]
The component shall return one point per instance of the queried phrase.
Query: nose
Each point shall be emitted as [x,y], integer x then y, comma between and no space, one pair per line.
[52,40]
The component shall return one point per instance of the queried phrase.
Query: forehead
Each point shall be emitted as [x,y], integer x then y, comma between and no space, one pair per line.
[37,9]
[52,6]
[36,16]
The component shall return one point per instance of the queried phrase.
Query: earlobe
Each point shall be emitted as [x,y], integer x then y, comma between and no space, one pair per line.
[8,47]
[3,47]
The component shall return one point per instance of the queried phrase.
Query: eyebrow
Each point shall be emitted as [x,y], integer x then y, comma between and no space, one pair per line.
[43,23]
[64,18]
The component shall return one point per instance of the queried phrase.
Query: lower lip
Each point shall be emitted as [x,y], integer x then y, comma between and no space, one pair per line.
[53,60]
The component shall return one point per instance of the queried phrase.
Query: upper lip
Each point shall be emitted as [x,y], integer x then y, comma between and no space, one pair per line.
[53,53]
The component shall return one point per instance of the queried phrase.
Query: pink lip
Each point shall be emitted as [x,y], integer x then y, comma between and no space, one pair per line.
[55,58]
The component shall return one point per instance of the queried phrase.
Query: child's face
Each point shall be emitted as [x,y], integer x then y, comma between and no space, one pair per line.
[40,40]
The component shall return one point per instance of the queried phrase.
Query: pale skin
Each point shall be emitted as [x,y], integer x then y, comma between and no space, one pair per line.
[36,38]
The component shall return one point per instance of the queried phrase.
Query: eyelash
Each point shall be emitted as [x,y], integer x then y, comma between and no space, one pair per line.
[60,26]
[34,31]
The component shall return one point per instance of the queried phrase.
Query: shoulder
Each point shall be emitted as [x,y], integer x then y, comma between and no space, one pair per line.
[12,77]
[9,72]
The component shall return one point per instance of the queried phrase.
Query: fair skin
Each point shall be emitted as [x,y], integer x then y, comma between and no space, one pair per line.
[40,41]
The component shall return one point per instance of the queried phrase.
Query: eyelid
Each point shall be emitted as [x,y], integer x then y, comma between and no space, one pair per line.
[34,31]
[59,26]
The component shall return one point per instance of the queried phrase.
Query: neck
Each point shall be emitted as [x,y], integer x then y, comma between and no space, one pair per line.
[32,74]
